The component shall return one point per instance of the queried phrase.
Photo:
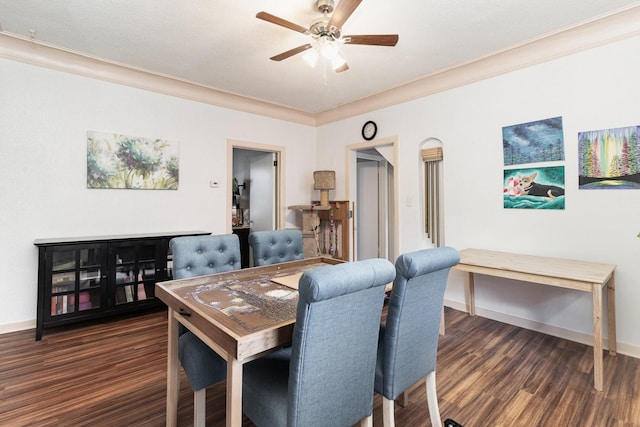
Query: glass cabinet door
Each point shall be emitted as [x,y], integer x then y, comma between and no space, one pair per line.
[76,279]
[168,273]
[135,272]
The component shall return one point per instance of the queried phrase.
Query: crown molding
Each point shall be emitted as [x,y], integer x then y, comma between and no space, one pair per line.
[615,26]
[40,54]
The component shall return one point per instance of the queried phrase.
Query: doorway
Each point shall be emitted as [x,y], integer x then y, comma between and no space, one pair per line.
[254,191]
[373,187]
[254,187]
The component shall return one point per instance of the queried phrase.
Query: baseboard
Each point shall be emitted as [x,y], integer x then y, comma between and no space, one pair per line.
[579,337]
[17,326]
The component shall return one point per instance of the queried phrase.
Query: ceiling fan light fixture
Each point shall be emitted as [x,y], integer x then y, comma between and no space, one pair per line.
[311,57]
[330,51]
[337,61]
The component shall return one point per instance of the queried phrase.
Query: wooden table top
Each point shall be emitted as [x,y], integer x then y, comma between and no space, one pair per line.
[244,311]
[475,260]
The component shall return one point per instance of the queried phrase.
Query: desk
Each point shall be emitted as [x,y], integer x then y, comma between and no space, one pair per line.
[565,273]
[241,315]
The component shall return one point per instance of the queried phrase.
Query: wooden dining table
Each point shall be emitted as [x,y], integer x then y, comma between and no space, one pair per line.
[241,314]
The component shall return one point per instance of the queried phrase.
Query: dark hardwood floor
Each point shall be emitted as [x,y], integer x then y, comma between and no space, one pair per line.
[489,374]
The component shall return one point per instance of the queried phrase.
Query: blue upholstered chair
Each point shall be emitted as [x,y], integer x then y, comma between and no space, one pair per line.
[408,342]
[276,246]
[197,256]
[326,377]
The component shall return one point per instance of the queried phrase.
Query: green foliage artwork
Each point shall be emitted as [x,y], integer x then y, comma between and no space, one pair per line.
[121,161]
[609,159]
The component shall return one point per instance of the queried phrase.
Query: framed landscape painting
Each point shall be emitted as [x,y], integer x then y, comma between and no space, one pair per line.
[121,161]
[533,142]
[609,159]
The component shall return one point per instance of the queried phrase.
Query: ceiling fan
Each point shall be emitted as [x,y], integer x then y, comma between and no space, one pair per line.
[326,34]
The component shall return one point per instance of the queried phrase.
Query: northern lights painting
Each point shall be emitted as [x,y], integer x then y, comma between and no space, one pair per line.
[609,159]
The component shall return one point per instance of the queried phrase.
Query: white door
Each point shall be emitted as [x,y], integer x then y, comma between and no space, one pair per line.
[367,218]
[262,200]
[374,184]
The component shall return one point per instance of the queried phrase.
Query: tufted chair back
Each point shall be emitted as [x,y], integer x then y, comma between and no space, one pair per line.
[196,256]
[276,246]
[408,343]
[200,255]
[325,379]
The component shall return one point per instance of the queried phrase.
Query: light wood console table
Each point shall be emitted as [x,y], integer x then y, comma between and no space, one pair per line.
[564,273]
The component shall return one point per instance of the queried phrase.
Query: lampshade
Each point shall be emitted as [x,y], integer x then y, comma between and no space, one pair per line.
[311,56]
[324,180]
[328,49]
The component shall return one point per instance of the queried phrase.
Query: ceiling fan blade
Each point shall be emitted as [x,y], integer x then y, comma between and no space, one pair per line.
[289,53]
[282,22]
[342,12]
[374,39]
[345,67]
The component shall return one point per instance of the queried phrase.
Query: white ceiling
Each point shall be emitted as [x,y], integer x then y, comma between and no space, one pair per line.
[222,45]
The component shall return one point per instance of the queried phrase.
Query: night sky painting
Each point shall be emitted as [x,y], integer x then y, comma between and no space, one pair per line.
[609,159]
[533,142]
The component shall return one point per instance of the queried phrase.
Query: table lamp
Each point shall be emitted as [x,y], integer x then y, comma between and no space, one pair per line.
[324,181]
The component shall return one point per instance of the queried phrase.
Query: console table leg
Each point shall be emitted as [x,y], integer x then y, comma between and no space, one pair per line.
[469,294]
[597,336]
[611,309]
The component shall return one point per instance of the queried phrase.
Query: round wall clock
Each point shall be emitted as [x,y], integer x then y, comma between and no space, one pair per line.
[369,130]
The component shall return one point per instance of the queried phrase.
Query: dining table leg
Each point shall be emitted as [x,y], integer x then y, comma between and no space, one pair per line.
[234,392]
[173,371]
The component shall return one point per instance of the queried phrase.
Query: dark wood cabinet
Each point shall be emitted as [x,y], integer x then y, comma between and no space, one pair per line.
[243,236]
[91,277]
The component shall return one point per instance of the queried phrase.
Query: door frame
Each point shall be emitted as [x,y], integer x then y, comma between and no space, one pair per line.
[280,152]
[352,191]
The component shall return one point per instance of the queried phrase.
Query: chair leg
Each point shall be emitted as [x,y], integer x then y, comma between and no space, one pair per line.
[403,399]
[432,400]
[388,408]
[367,421]
[200,407]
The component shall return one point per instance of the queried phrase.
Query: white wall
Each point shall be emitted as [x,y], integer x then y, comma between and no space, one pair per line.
[595,89]
[45,115]
[44,118]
